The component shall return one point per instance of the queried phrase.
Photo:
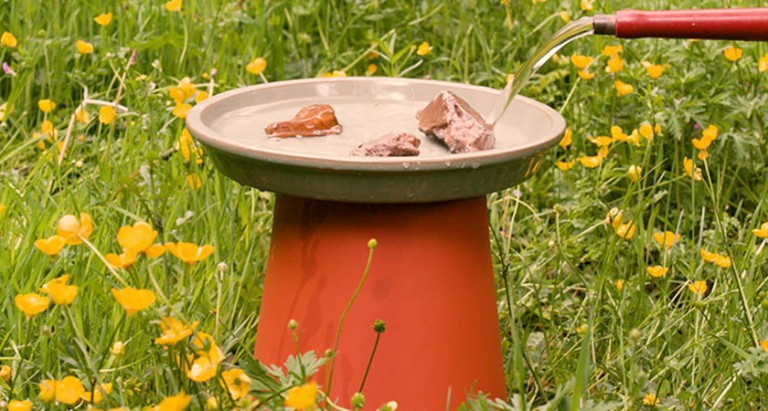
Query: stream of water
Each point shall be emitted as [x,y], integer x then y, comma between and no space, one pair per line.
[572,31]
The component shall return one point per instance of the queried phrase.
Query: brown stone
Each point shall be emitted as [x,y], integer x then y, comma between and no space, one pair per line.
[451,120]
[389,145]
[311,121]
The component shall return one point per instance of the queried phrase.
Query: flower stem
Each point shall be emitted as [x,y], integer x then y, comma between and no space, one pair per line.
[370,361]
[344,315]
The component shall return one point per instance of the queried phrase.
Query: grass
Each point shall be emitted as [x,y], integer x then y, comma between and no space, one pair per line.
[571,338]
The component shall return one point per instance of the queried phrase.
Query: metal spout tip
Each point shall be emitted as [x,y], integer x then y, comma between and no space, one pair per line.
[604,24]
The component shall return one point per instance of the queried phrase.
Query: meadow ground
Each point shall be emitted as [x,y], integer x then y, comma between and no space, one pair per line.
[631,268]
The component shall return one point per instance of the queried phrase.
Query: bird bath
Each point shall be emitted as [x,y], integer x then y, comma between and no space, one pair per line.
[431,280]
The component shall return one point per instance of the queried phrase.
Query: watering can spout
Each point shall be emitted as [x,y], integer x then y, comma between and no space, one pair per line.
[604,24]
[749,24]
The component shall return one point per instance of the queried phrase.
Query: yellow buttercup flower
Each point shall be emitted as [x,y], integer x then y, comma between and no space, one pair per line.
[654,70]
[626,230]
[612,50]
[646,131]
[302,397]
[50,246]
[666,239]
[335,73]
[122,260]
[83,47]
[619,285]
[710,133]
[580,61]
[617,134]
[194,182]
[173,5]
[591,161]
[117,348]
[137,238]
[46,105]
[701,144]
[762,63]
[202,369]
[107,114]
[424,49]
[188,252]
[176,94]
[733,54]
[68,390]
[6,373]
[650,399]
[174,331]
[103,19]
[133,300]
[565,165]
[60,280]
[209,356]
[31,304]
[257,66]
[567,138]
[211,404]
[635,173]
[181,110]
[371,70]
[698,287]
[205,345]
[201,96]
[761,232]
[707,256]
[634,137]
[98,393]
[187,147]
[601,141]
[586,5]
[585,75]
[691,170]
[622,88]
[565,16]
[722,261]
[16,405]
[74,230]
[47,390]
[155,250]
[615,64]
[236,382]
[60,293]
[82,116]
[656,271]
[8,40]
[187,87]
[177,402]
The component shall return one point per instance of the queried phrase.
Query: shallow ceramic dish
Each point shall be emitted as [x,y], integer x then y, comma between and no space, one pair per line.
[230,126]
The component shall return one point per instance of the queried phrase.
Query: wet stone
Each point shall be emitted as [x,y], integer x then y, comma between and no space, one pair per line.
[451,120]
[389,145]
[311,121]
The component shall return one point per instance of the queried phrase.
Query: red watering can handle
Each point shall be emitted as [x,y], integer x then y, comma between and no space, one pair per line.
[713,24]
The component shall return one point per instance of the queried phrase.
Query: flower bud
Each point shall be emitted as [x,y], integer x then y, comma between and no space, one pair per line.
[358,401]
[379,326]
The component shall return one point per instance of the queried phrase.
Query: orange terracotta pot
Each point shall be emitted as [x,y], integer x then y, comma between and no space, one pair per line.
[431,282]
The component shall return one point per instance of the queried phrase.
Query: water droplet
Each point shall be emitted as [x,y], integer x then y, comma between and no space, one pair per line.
[406,166]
